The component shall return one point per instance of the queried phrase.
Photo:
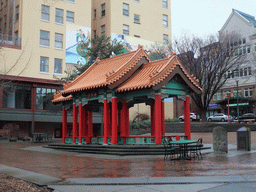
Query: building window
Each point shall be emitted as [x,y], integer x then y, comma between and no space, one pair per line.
[72,1]
[44,64]
[95,13]
[45,13]
[70,16]
[5,21]
[17,97]
[215,97]
[165,39]
[103,10]
[165,20]
[59,16]
[246,93]
[137,1]
[249,71]
[219,96]
[241,72]
[126,29]
[250,92]
[58,41]
[17,12]
[165,4]
[245,71]
[41,97]
[239,92]
[58,66]
[126,9]
[102,30]
[45,38]
[95,33]
[137,36]
[16,36]
[136,18]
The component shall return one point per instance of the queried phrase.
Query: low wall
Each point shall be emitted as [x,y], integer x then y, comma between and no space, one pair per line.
[206,126]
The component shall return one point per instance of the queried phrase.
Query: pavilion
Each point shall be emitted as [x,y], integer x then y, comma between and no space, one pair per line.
[114,85]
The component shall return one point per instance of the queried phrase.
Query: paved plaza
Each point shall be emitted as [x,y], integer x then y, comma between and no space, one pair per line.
[70,171]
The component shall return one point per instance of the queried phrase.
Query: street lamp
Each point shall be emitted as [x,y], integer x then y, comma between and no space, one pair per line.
[237,104]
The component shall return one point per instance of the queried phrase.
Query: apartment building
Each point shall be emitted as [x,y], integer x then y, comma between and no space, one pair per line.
[39,41]
[241,80]
[133,21]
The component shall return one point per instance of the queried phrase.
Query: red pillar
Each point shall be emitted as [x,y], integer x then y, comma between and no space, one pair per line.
[81,123]
[123,120]
[106,121]
[163,120]
[85,128]
[152,109]
[64,124]
[127,124]
[90,128]
[114,120]
[187,117]
[75,131]
[158,119]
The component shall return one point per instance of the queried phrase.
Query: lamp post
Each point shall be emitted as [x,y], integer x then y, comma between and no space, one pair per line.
[237,104]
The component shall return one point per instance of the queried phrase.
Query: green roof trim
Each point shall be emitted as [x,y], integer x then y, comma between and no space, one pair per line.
[248,17]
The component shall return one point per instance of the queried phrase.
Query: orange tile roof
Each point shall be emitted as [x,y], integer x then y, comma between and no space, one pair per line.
[126,74]
[105,72]
[58,98]
[153,73]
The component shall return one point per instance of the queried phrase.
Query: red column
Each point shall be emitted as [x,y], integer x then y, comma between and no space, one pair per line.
[85,128]
[127,124]
[152,109]
[74,123]
[64,124]
[90,128]
[158,119]
[106,121]
[81,123]
[114,120]
[123,120]
[187,117]
[163,120]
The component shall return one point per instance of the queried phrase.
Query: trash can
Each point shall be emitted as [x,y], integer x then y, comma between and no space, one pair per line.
[244,139]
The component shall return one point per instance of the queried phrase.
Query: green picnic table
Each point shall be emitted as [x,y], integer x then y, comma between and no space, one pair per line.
[183,145]
[38,137]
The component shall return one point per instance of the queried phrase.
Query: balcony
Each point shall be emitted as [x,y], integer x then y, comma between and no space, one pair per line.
[10,41]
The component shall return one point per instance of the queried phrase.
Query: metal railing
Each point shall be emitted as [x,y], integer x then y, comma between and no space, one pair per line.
[10,40]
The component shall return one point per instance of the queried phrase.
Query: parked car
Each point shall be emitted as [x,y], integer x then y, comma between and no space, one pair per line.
[247,117]
[219,117]
[193,117]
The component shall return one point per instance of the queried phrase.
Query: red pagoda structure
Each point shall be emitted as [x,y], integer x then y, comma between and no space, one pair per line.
[114,85]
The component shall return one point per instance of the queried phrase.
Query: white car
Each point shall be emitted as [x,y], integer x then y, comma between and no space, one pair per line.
[193,117]
[218,117]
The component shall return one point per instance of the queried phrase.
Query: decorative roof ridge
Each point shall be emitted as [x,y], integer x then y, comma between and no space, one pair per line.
[57,95]
[97,62]
[69,84]
[113,76]
[165,69]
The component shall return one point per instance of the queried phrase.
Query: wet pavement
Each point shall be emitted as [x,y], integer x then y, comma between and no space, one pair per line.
[34,158]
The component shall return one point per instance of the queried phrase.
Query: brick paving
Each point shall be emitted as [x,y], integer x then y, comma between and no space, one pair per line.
[74,165]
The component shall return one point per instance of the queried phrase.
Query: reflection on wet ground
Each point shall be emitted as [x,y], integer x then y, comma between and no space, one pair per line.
[73,165]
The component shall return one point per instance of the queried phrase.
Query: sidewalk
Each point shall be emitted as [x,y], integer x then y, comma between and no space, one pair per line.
[69,171]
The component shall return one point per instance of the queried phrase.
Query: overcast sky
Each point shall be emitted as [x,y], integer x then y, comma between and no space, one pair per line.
[204,17]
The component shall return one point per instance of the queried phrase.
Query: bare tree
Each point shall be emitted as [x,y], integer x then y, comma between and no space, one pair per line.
[209,60]
[163,50]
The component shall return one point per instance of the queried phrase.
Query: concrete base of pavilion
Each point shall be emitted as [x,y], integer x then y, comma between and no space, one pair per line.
[121,150]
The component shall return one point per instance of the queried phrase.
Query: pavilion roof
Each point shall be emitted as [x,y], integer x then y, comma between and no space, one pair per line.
[127,72]
[156,73]
[105,72]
